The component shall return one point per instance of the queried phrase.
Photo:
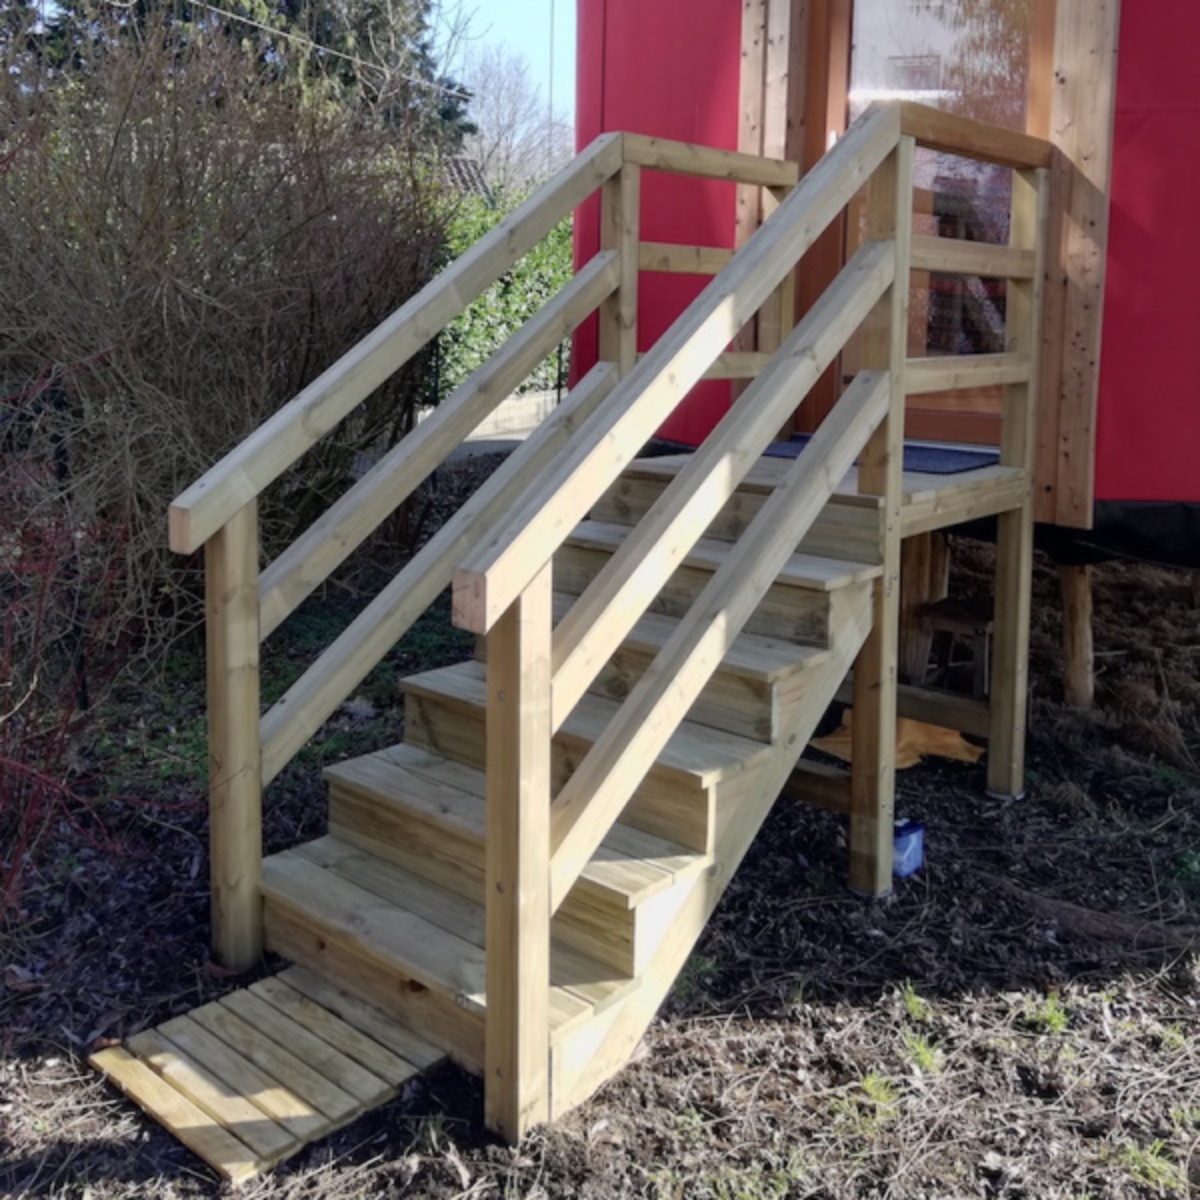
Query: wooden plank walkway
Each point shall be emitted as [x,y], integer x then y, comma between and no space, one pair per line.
[250,1079]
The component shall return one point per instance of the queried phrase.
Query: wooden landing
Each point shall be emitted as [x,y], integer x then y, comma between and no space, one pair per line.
[250,1079]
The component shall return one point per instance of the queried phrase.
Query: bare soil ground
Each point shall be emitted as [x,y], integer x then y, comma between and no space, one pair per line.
[1020,1019]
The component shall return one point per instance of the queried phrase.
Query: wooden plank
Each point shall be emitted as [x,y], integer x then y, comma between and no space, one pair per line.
[295,1114]
[341,529]
[952,134]
[364,1017]
[280,441]
[296,1075]
[684,158]
[233,1111]
[588,805]
[751,78]
[924,577]
[352,1077]
[230,1158]
[924,376]
[682,260]
[619,236]
[820,785]
[234,763]
[885,346]
[659,545]
[495,573]
[301,711]
[350,1041]
[996,490]
[936,707]
[1081,126]
[953,256]
[1079,677]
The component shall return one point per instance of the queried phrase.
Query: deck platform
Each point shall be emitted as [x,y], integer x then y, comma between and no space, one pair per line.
[248,1080]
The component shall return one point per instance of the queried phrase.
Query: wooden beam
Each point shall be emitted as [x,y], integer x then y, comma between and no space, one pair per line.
[494,574]
[1081,127]
[684,158]
[935,706]
[873,782]
[924,577]
[272,448]
[234,762]
[954,256]
[926,376]
[517,1037]
[619,225]
[1079,677]
[820,785]
[940,130]
[682,260]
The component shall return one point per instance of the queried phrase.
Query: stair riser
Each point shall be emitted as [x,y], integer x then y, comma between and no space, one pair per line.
[303,939]
[795,614]
[847,529]
[666,804]
[591,919]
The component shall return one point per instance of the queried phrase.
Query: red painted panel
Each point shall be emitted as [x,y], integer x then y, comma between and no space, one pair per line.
[1148,431]
[667,68]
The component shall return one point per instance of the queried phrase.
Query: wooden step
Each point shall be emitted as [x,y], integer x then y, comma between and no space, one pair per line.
[444,712]
[248,1080]
[427,814]
[849,527]
[795,609]
[408,946]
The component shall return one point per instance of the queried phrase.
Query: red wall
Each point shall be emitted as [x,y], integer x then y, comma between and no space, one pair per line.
[668,68]
[1148,432]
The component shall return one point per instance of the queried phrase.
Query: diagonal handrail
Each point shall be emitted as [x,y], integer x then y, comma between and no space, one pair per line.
[497,572]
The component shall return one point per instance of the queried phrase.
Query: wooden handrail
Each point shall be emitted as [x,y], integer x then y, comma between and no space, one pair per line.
[612,603]
[279,442]
[619,759]
[308,561]
[491,578]
[955,256]
[350,658]
[705,162]
[948,132]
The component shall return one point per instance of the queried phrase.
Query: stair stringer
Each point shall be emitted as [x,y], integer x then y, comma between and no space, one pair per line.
[588,1057]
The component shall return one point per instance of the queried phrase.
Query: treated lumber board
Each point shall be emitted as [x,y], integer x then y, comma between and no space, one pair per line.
[298,1116]
[1079,678]
[953,256]
[233,1111]
[289,724]
[368,1020]
[952,134]
[683,158]
[231,1158]
[499,569]
[820,785]
[751,96]
[234,751]
[343,1037]
[935,706]
[670,259]
[594,796]
[619,235]
[925,376]
[342,528]
[295,1074]
[280,441]
[352,1077]
[737,364]
[994,490]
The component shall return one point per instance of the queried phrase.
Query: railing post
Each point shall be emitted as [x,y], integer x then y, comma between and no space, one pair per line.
[517,1035]
[620,200]
[234,751]
[1014,534]
[873,781]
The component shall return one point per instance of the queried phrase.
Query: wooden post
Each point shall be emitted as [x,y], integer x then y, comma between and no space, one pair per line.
[1079,678]
[924,577]
[1014,537]
[517,1045]
[873,777]
[620,199]
[234,750]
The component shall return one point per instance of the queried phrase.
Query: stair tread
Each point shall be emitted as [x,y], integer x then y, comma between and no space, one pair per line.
[702,754]
[809,571]
[763,477]
[752,655]
[629,863]
[434,935]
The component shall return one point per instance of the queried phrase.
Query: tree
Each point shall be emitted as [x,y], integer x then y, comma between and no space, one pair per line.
[517,139]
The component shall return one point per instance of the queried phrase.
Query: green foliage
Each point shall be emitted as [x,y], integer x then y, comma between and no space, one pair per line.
[488,323]
[1047,1015]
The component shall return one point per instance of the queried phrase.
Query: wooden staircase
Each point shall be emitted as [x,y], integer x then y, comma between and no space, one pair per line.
[520,880]
[391,903]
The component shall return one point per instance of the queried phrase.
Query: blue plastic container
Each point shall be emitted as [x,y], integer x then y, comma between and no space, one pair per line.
[909,853]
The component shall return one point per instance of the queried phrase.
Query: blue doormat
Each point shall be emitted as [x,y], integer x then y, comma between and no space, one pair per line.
[924,460]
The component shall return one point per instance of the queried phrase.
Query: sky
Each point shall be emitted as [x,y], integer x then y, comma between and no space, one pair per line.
[524,27]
